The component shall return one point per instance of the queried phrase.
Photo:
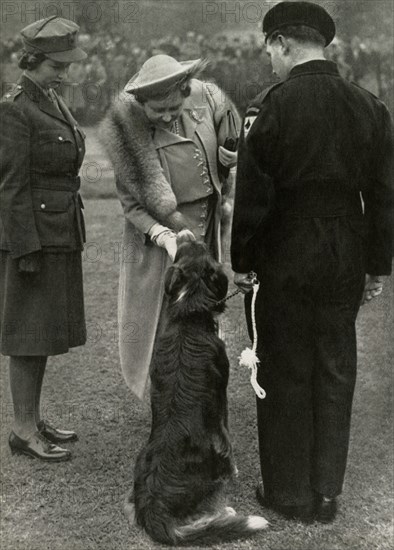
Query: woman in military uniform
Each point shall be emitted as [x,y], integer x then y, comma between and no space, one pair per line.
[164,137]
[41,230]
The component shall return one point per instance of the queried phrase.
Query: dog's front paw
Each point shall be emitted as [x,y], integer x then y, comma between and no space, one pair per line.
[129,507]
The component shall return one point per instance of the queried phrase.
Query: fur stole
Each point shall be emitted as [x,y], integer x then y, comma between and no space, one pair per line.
[126,135]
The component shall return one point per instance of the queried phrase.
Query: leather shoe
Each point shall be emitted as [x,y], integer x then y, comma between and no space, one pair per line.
[326,509]
[37,446]
[302,512]
[54,434]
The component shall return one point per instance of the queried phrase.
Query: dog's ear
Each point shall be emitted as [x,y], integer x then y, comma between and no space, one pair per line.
[174,280]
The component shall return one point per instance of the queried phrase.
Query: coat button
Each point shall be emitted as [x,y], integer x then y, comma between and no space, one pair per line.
[19,87]
[7,95]
[43,206]
[60,138]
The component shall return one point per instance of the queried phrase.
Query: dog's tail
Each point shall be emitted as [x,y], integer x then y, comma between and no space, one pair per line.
[221,527]
[224,527]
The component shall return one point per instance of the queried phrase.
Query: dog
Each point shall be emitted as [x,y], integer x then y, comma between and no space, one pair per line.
[180,474]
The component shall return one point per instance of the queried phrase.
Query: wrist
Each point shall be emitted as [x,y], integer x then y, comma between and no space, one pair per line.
[156,230]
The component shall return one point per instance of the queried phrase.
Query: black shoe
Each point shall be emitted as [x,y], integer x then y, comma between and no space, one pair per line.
[37,446]
[302,512]
[326,509]
[54,435]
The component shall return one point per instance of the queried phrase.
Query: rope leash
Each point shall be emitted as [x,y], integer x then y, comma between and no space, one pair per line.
[248,357]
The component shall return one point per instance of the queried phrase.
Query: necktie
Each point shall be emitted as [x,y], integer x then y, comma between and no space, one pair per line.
[52,97]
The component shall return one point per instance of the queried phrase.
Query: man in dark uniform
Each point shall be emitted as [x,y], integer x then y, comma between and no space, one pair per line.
[315,161]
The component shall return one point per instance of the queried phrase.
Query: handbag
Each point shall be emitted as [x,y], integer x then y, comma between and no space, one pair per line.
[228,137]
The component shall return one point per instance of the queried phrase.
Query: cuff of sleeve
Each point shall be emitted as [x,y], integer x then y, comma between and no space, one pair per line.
[17,251]
[156,230]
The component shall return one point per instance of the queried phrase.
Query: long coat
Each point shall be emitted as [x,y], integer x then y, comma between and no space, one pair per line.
[311,145]
[41,151]
[155,173]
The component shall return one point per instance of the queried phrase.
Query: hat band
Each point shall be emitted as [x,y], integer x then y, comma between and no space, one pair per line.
[34,48]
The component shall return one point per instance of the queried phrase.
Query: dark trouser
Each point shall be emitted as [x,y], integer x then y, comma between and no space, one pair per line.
[311,285]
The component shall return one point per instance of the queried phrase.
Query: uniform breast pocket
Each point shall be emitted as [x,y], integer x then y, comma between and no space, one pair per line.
[56,150]
[52,217]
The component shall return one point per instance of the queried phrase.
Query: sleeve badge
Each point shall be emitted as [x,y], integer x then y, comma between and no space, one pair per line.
[248,123]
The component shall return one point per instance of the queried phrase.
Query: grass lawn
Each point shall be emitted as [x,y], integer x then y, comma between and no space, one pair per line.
[78,505]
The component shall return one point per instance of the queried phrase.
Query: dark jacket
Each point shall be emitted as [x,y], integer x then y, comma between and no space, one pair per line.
[313,143]
[41,151]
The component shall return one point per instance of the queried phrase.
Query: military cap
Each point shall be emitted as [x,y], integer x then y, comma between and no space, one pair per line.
[299,13]
[55,37]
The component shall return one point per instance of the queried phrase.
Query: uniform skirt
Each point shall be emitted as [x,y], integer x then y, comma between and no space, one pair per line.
[43,313]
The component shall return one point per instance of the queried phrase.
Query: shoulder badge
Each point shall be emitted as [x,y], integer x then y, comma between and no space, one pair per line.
[253,110]
[249,119]
[12,94]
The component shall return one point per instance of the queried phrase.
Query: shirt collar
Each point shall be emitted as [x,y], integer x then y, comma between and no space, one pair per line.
[315,66]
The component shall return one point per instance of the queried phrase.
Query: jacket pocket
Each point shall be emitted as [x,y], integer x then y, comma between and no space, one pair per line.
[54,149]
[54,139]
[52,217]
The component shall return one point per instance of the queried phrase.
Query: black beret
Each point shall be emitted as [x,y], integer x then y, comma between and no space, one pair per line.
[299,13]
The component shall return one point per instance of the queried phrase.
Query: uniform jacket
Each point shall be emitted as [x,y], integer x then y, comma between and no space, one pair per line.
[41,151]
[156,172]
[312,143]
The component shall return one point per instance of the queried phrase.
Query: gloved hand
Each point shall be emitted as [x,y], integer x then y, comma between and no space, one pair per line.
[165,238]
[227,158]
[30,263]
[245,281]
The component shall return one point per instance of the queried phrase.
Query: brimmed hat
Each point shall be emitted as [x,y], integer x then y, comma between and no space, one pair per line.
[160,72]
[299,13]
[55,37]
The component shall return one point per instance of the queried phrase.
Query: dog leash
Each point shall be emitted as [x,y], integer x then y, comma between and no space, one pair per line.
[252,275]
[248,357]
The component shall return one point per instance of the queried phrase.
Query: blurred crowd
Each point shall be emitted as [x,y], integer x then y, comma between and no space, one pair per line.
[237,63]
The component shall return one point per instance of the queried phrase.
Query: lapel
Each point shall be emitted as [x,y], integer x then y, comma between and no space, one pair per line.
[163,138]
[66,113]
[192,115]
[37,95]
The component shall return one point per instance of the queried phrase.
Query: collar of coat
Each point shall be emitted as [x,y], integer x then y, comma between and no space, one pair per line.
[315,66]
[126,133]
[37,94]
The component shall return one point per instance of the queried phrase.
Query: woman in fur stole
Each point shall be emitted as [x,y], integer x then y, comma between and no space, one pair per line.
[162,138]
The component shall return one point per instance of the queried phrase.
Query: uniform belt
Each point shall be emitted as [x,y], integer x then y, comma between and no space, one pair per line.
[319,200]
[55,182]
